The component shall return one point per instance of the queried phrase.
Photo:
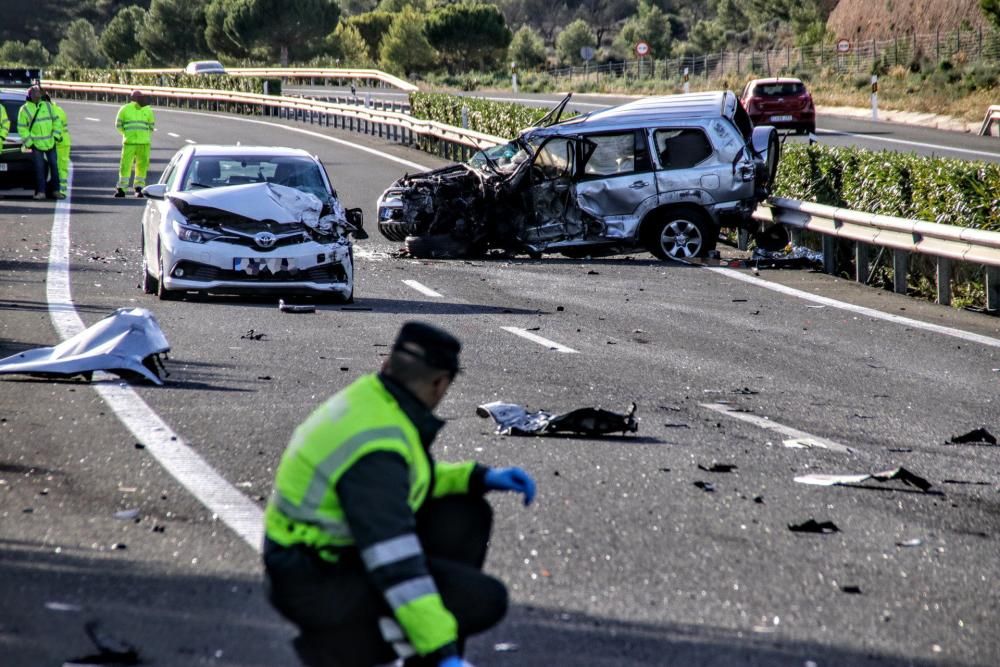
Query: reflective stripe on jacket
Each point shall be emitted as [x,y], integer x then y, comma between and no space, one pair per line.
[135,123]
[39,117]
[62,122]
[4,124]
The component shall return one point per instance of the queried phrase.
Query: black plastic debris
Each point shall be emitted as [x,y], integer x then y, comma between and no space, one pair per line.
[111,650]
[794,257]
[718,467]
[964,481]
[253,334]
[901,474]
[676,425]
[813,526]
[295,308]
[707,487]
[514,419]
[979,436]
[852,590]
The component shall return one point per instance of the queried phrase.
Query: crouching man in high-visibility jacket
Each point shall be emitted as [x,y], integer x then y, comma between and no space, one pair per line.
[372,549]
[135,123]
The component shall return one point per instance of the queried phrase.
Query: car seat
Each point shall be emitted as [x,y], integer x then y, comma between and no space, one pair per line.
[286,174]
[207,172]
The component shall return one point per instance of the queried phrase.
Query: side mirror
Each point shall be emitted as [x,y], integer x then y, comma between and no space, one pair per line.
[155,191]
[356,218]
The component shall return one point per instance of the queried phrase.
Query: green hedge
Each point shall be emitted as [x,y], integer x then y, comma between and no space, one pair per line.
[242,84]
[501,119]
[952,192]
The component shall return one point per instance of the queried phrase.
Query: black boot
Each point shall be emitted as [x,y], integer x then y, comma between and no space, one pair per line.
[119,193]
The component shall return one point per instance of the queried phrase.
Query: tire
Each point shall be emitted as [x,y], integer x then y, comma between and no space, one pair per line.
[162,292]
[772,239]
[150,285]
[682,234]
[437,246]
[396,231]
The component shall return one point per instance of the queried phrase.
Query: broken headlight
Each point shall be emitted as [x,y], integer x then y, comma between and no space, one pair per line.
[194,234]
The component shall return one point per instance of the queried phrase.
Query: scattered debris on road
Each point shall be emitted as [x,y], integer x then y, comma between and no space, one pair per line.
[901,474]
[707,487]
[979,436]
[852,590]
[253,334]
[63,606]
[112,651]
[295,308]
[915,542]
[813,526]
[127,515]
[505,647]
[128,343]
[791,257]
[514,419]
[717,467]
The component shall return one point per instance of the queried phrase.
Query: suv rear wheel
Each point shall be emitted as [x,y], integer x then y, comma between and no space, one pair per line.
[682,234]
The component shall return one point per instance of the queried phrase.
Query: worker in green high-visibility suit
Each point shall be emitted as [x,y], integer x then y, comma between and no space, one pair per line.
[63,145]
[135,122]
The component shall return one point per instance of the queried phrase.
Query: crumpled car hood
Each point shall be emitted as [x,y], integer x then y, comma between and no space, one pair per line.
[260,201]
[126,342]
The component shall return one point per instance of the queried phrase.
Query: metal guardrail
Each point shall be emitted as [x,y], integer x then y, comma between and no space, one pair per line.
[383,78]
[446,140]
[992,116]
[946,243]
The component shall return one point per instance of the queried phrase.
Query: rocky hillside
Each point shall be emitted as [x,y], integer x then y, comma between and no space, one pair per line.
[882,19]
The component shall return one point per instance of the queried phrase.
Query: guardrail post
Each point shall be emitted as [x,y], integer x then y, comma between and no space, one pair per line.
[943,275]
[992,284]
[742,239]
[900,261]
[829,254]
[862,262]
[795,235]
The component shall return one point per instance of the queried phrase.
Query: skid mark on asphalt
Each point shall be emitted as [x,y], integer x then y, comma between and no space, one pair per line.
[765,423]
[423,289]
[860,310]
[551,344]
[183,463]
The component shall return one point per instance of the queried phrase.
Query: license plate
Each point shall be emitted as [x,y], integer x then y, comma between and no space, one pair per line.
[780,119]
[255,267]
[3,166]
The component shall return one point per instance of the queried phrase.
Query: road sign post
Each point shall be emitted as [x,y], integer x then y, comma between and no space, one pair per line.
[641,50]
[874,97]
[513,77]
[587,53]
[687,81]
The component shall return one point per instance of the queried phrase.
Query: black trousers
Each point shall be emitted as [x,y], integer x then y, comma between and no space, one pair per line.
[336,607]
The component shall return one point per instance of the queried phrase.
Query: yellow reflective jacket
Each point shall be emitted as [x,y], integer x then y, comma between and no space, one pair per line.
[135,123]
[4,124]
[36,123]
[62,122]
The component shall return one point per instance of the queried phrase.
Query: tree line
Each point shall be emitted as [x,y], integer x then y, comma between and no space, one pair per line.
[403,36]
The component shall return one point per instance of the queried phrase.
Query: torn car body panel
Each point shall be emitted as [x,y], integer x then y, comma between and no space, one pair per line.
[606,178]
[128,343]
[514,419]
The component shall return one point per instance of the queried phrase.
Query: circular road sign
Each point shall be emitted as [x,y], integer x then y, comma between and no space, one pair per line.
[642,49]
[843,45]
[587,52]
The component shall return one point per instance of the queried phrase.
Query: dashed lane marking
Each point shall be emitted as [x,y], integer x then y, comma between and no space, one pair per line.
[191,141]
[765,423]
[187,467]
[551,344]
[423,289]
[174,135]
[860,310]
[94,120]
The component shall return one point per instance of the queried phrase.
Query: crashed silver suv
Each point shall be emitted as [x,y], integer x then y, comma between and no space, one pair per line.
[660,173]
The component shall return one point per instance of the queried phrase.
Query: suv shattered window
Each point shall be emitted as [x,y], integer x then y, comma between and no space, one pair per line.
[680,149]
[617,154]
[554,160]
[506,157]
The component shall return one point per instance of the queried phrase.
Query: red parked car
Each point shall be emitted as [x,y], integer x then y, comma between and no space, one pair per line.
[781,102]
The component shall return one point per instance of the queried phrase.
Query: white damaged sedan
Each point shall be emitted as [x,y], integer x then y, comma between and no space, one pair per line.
[247,220]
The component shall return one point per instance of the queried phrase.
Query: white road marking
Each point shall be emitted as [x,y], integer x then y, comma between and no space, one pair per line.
[423,289]
[96,120]
[552,345]
[191,470]
[765,423]
[174,135]
[860,310]
[914,143]
[191,141]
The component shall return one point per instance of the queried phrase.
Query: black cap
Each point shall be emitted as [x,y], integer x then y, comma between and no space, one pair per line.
[436,347]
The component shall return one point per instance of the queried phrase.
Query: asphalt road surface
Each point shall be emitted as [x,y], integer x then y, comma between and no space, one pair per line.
[831,130]
[622,560]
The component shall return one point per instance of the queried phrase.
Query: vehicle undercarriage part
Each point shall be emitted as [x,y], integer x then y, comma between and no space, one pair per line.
[128,342]
[514,419]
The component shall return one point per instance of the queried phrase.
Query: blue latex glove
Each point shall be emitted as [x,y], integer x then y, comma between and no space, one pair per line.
[511,479]
[453,661]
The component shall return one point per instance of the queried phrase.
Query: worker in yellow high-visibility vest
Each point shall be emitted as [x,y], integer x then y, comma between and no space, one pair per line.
[63,145]
[135,122]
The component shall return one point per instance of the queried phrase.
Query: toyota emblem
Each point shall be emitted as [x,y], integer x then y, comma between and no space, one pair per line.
[265,239]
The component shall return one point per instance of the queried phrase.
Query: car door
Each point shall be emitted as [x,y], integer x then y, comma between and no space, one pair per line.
[616,176]
[553,214]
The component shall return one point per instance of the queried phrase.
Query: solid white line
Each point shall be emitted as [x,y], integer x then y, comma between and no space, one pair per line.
[860,310]
[766,423]
[552,345]
[211,489]
[191,141]
[915,143]
[423,289]
[96,120]
[174,135]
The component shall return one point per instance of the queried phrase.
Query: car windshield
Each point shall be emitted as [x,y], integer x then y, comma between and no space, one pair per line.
[786,89]
[506,157]
[215,171]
